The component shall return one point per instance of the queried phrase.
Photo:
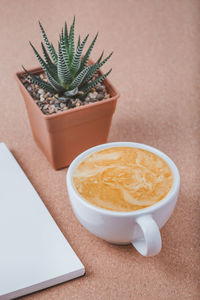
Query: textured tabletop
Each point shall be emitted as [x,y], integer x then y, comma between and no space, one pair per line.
[156,68]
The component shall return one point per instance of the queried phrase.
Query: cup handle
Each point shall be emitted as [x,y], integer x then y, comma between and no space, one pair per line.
[150,244]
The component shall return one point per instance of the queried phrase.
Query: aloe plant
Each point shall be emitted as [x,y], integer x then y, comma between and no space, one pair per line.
[67,72]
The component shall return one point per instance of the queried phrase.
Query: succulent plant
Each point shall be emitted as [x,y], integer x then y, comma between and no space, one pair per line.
[67,71]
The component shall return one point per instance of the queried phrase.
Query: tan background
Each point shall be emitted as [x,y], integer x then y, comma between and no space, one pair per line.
[156,68]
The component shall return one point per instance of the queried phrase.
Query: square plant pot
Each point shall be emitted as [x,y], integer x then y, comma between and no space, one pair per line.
[64,135]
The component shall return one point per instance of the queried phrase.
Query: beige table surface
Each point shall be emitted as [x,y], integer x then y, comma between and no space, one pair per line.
[156,68]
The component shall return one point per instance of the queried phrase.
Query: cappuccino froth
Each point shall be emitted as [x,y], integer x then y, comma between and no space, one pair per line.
[123,178]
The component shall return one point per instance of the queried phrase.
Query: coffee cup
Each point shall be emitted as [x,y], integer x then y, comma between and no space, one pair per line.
[141,228]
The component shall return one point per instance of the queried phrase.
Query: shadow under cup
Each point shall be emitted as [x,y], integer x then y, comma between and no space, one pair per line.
[140,227]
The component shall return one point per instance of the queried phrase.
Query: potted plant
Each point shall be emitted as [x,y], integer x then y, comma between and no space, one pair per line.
[69,101]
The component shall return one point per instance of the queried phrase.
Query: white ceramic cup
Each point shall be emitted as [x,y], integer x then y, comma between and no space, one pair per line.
[140,227]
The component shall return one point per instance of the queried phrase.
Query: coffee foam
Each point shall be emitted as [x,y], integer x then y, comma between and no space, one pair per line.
[123,178]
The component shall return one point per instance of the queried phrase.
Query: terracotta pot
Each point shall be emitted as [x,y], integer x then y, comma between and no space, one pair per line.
[62,136]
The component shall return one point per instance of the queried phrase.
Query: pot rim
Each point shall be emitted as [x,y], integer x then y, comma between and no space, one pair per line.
[73,110]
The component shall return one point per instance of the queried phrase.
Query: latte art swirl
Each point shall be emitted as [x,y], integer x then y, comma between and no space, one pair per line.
[123,178]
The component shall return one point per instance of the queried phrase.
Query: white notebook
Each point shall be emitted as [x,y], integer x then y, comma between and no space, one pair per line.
[34,254]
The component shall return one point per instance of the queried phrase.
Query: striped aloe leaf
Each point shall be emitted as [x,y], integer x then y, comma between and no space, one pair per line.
[67,69]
